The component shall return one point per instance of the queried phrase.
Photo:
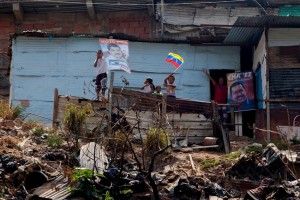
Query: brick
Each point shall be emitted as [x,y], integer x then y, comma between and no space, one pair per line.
[112,30]
[129,31]
[146,19]
[97,27]
[144,36]
[27,27]
[147,29]
[49,25]
[134,24]
[4,37]
[5,23]
[113,25]
[77,29]
[139,30]
[4,49]
[10,30]
[124,24]
[66,30]
[85,29]
[128,19]
[38,26]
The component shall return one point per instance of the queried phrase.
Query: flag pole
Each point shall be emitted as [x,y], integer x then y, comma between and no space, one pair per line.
[176,68]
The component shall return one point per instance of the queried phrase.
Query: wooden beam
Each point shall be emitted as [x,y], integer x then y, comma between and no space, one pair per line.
[18,11]
[90,8]
[55,108]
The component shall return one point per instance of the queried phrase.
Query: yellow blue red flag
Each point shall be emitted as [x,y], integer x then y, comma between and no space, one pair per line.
[175,60]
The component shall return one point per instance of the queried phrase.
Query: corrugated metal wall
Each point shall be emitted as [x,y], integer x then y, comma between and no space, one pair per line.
[41,64]
[285,85]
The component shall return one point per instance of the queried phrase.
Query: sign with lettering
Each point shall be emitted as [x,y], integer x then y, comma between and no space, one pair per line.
[241,91]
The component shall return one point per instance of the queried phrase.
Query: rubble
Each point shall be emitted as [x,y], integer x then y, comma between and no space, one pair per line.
[31,170]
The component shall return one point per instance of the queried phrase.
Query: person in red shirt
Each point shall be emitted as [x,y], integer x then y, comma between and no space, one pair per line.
[220,96]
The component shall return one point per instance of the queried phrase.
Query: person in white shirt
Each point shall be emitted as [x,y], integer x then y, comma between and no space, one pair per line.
[148,86]
[101,80]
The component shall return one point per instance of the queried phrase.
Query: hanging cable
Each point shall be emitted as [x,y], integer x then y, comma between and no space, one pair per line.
[133,4]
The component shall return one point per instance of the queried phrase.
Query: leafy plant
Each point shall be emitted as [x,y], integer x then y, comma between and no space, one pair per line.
[233,155]
[74,117]
[54,141]
[205,164]
[84,183]
[38,131]
[7,112]
[107,196]
[253,149]
[281,145]
[156,139]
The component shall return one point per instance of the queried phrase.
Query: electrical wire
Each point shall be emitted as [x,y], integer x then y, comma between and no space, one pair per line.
[129,4]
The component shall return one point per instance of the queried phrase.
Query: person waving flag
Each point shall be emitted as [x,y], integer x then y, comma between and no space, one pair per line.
[175,59]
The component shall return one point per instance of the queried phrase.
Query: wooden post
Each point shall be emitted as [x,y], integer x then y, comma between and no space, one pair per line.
[163,109]
[225,137]
[55,108]
[112,76]
[232,113]
[219,123]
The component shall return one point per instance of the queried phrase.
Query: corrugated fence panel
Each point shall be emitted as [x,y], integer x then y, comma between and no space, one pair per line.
[285,84]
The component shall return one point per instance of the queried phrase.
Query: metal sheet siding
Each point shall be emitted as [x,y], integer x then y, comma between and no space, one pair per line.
[289,10]
[39,65]
[183,15]
[284,84]
[284,37]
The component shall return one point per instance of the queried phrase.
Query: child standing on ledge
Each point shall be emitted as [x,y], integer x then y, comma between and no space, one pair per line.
[170,85]
[148,86]
[158,91]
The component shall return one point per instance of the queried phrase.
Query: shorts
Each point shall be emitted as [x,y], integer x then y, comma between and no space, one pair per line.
[101,80]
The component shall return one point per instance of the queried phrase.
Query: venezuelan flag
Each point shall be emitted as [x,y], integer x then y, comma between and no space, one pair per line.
[175,60]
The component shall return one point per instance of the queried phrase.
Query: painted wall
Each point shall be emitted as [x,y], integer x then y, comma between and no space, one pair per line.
[41,64]
[134,24]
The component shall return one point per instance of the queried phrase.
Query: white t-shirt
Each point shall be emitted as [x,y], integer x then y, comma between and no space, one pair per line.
[101,67]
[147,89]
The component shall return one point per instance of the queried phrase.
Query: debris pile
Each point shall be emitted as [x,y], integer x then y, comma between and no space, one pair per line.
[32,168]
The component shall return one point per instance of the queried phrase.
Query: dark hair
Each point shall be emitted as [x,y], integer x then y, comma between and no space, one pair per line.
[150,80]
[112,45]
[172,76]
[235,84]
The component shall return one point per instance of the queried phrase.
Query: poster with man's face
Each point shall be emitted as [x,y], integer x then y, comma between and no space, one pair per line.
[116,53]
[241,91]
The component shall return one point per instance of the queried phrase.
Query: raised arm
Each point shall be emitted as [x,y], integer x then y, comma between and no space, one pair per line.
[204,70]
[95,63]
[166,79]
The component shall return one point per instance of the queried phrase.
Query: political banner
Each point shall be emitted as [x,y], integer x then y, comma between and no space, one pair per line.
[116,54]
[241,91]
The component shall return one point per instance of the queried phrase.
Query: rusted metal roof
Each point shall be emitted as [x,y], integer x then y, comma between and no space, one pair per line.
[247,30]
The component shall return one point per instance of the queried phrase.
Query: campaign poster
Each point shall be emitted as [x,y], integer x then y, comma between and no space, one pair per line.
[116,53]
[241,91]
